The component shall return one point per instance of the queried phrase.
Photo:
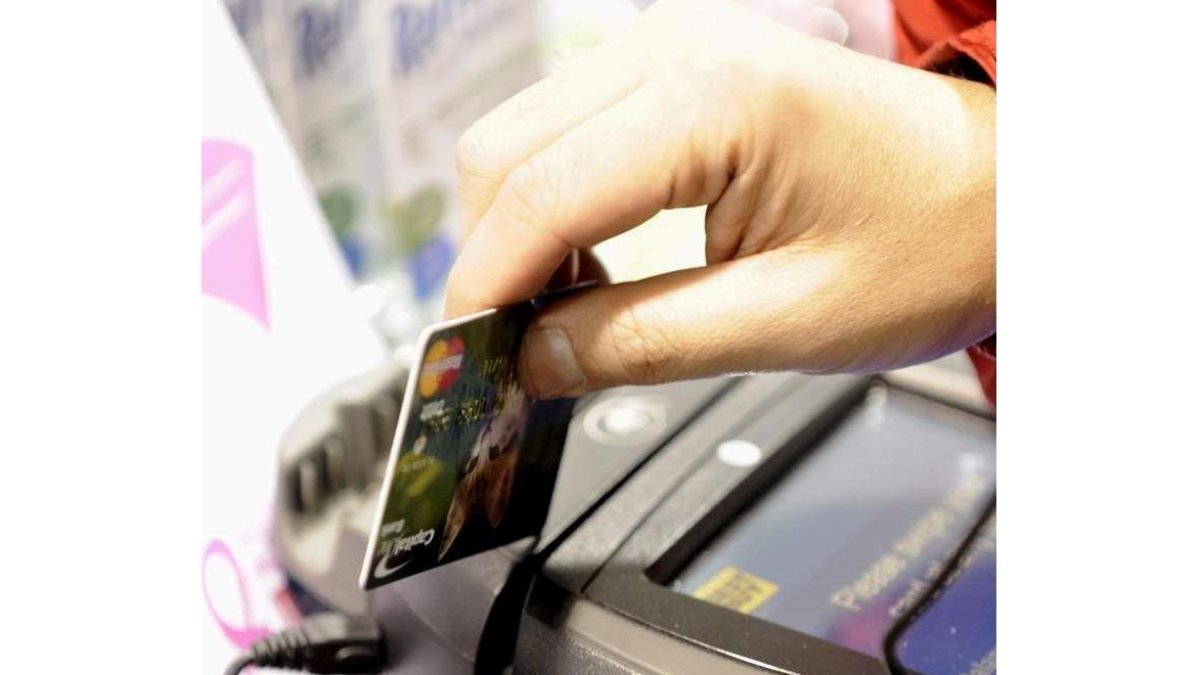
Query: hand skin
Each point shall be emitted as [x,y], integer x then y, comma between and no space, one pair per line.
[851,205]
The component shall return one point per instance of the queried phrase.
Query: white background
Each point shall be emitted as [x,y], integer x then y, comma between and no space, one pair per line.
[256,378]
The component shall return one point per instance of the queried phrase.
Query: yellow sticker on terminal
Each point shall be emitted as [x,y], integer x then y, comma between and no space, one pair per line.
[736,589]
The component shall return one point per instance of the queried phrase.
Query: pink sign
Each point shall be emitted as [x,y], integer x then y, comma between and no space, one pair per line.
[242,631]
[231,261]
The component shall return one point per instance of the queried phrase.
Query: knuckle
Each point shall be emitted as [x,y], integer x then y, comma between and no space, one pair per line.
[643,354]
[693,68]
[529,193]
[735,77]
[470,155]
[708,82]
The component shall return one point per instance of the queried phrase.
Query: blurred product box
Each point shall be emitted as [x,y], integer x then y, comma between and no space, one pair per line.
[445,65]
[374,95]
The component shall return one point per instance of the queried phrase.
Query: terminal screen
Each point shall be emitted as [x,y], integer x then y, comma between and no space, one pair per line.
[850,538]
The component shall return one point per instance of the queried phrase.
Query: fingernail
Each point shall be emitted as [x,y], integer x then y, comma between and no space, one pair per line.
[549,363]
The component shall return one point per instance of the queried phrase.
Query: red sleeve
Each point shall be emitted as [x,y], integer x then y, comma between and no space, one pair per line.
[983,356]
[948,36]
[955,37]
[960,54]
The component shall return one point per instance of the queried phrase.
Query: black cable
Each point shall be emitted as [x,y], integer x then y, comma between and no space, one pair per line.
[239,664]
[322,643]
[891,641]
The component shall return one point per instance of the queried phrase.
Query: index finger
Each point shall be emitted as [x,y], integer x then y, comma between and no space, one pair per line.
[536,117]
[603,177]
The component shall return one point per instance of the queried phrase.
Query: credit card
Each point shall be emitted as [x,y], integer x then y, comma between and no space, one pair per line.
[474,459]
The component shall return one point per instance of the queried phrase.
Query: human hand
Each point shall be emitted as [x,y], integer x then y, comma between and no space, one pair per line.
[851,205]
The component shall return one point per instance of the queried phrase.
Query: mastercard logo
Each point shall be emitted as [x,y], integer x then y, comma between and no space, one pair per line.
[442,364]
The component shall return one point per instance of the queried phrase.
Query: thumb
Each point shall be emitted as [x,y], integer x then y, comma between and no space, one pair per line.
[750,314]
